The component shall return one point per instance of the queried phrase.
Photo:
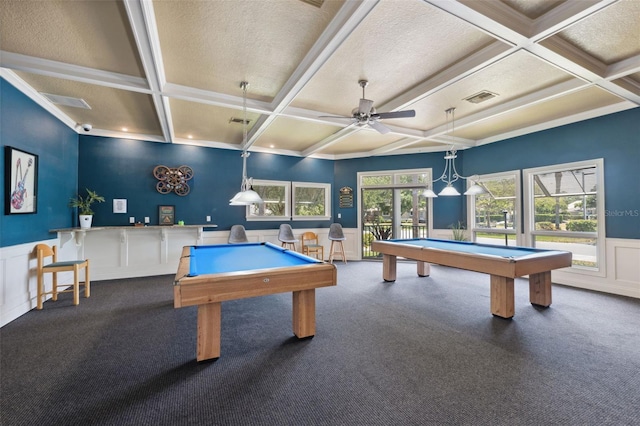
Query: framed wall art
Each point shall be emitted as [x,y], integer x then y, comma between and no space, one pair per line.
[166,215]
[21,181]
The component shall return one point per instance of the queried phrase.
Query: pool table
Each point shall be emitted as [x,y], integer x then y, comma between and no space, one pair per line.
[209,275]
[501,262]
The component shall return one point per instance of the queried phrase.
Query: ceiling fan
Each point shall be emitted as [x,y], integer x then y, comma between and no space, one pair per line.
[365,113]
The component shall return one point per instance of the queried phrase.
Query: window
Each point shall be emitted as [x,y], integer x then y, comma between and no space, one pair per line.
[276,195]
[495,216]
[284,200]
[565,211]
[311,201]
[393,205]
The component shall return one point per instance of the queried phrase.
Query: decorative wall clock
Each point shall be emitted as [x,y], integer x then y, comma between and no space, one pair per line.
[173,179]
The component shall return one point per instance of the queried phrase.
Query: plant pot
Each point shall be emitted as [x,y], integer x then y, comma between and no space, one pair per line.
[85,221]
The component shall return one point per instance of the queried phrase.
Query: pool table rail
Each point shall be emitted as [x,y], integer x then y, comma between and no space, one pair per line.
[209,288]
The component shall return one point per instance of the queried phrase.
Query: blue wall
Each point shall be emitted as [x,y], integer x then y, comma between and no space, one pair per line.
[123,168]
[28,127]
[446,210]
[615,138]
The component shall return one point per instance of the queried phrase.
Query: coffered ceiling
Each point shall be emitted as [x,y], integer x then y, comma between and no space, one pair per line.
[170,71]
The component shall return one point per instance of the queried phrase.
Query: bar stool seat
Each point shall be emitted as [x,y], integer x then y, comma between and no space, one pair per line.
[286,237]
[336,236]
[43,251]
[237,235]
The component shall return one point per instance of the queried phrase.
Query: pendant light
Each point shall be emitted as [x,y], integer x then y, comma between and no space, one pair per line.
[450,174]
[246,195]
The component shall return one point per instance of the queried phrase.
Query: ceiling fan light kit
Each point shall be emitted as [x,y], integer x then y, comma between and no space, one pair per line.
[366,115]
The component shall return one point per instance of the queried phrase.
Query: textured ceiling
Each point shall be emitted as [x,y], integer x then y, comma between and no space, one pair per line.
[170,71]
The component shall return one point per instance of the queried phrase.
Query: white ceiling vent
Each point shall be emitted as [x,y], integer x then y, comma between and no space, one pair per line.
[66,101]
[480,97]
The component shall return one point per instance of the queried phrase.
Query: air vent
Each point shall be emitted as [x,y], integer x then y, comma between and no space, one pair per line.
[316,3]
[66,101]
[238,120]
[480,97]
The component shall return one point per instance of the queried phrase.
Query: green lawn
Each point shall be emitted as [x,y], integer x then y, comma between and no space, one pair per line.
[557,239]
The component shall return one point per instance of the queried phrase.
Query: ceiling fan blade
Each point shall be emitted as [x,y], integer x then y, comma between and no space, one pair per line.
[396,114]
[365,106]
[381,128]
[335,116]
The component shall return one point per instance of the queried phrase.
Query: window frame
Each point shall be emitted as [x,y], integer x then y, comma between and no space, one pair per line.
[327,200]
[289,201]
[471,217]
[600,235]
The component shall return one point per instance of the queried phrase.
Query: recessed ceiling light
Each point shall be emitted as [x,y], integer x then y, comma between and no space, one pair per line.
[190,136]
[272,146]
[125,129]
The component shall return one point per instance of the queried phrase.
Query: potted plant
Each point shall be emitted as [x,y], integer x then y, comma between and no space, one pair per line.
[458,232]
[84,207]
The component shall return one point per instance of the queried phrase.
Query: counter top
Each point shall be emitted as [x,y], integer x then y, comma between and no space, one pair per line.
[102,228]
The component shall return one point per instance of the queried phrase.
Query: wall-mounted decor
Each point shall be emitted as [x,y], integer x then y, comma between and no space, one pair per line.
[119,205]
[346,197]
[166,215]
[173,179]
[21,181]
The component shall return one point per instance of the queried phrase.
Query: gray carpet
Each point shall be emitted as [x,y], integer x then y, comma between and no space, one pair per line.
[420,351]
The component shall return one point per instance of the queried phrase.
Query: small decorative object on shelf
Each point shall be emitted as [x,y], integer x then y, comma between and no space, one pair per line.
[171,179]
[84,207]
[166,215]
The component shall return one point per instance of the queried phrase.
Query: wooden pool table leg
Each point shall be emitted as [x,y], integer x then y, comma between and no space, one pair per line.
[208,337]
[424,269]
[388,267]
[502,297]
[540,288]
[304,313]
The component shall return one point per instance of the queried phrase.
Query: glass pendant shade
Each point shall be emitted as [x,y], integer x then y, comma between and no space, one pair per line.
[448,191]
[428,193]
[475,189]
[246,197]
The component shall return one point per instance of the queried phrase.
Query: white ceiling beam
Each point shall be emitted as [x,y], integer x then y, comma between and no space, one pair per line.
[469,65]
[78,73]
[145,31]
[35,96]
[563,121]
[565,15]
[330,140]
[191,94]
[350,15]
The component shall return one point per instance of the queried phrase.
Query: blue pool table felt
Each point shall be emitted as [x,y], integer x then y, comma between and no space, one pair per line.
[216,259]
[469,247]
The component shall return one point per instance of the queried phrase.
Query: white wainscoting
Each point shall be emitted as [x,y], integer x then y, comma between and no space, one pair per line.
[121,252]
[621,270]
